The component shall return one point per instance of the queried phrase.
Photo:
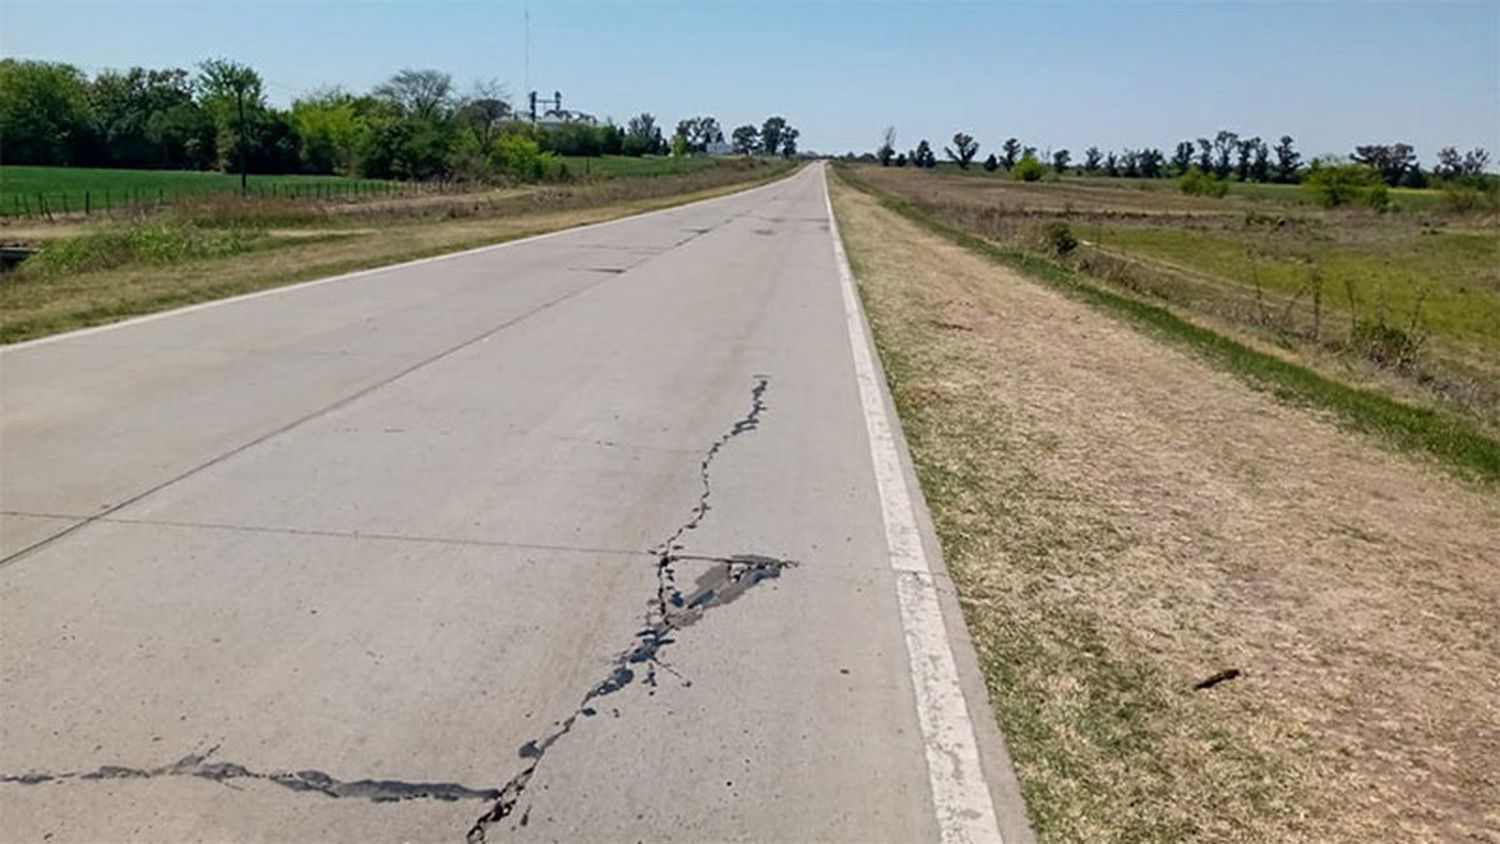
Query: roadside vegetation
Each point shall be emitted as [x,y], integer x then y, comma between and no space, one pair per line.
[1203,610]
[75,143]
[217,246]
[1390,320]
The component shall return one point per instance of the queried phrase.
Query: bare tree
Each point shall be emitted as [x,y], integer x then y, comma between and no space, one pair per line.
[963,150]
[887,150]
[424,94]
[483,111]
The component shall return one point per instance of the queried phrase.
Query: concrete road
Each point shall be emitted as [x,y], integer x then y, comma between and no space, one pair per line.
[581,538]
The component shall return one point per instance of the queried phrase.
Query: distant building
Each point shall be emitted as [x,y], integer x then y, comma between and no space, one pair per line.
[558,117]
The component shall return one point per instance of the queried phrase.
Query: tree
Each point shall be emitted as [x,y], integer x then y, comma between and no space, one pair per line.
[1260,166]
[233,93]
[770,134]
[789,141]
[643,136]
[482,114]
[1244,151]
[1225,143]
[1091,158]
[746,139]
[1111,165]
[901,160]
[887,149]
[1010,152]
[45,114]
[700,132]
[1131,161]
[1182,157]
[1060,160]
[1151,162]
[1475,162]
[1452,165]
[963,150]
[1287,160]
[422,94]
[922,156]
[991,164]
[147,118]
[1391,161]
[1205,155]
[329,131]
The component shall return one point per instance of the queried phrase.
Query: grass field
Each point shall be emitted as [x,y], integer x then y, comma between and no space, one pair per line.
[1130,504]
[1406,303]
[26,190]
[610,166]
[29,191]
[1411,199]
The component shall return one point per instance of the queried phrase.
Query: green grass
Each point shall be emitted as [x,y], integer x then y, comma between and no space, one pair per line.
[1454,274]
[1453,440]
[25,189]
[611,166]
[1411,199]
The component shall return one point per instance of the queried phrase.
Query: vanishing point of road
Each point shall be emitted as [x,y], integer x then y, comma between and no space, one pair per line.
[606,535]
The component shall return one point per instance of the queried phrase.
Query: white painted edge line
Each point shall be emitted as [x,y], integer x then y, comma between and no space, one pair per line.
[303,285]
[961,798]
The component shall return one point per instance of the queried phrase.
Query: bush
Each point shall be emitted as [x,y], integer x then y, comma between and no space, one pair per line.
[1059,238]
[1331,185]
[1386,345]
[1198,183]
[521,158]
[1029,169]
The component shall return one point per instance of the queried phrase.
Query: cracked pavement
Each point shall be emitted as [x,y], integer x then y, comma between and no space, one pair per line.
[348,561]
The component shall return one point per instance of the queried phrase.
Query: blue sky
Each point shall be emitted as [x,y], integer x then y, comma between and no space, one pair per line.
[1056,74]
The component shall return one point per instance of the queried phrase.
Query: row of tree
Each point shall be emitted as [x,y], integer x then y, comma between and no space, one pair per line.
[1224,156]
[416,125]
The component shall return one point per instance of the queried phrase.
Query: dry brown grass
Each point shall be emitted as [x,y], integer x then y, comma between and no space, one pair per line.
[1122,522]
[1250,269]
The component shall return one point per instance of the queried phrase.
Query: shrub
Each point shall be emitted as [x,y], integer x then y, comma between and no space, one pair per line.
[1333,184]
[1029,169]
[1387,345]
[521,158]
[1058,238]
[1198,183]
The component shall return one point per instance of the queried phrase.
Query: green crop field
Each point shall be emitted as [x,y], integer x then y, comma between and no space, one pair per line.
[610,166]
[57,190]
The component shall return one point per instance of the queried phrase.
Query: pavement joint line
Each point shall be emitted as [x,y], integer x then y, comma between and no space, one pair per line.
[308,417]
[962,803]
[271,291]
[342,534]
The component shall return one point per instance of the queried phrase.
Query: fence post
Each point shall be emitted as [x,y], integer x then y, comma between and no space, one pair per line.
[88,204]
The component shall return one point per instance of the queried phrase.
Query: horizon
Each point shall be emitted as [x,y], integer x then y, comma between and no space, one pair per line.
[1425,74]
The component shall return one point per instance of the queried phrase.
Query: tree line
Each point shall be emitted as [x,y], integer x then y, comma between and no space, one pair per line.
[415,125]
[1225,156]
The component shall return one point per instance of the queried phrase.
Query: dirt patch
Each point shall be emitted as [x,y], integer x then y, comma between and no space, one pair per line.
[1124,523]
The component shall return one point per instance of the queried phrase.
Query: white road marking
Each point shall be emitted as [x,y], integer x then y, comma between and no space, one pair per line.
[960,794]
[287,288]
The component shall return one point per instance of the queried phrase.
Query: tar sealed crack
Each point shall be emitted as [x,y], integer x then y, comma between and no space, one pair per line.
[722,581]
[198,765]
[669,612]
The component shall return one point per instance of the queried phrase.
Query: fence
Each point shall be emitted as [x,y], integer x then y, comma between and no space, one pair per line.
[52,205]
